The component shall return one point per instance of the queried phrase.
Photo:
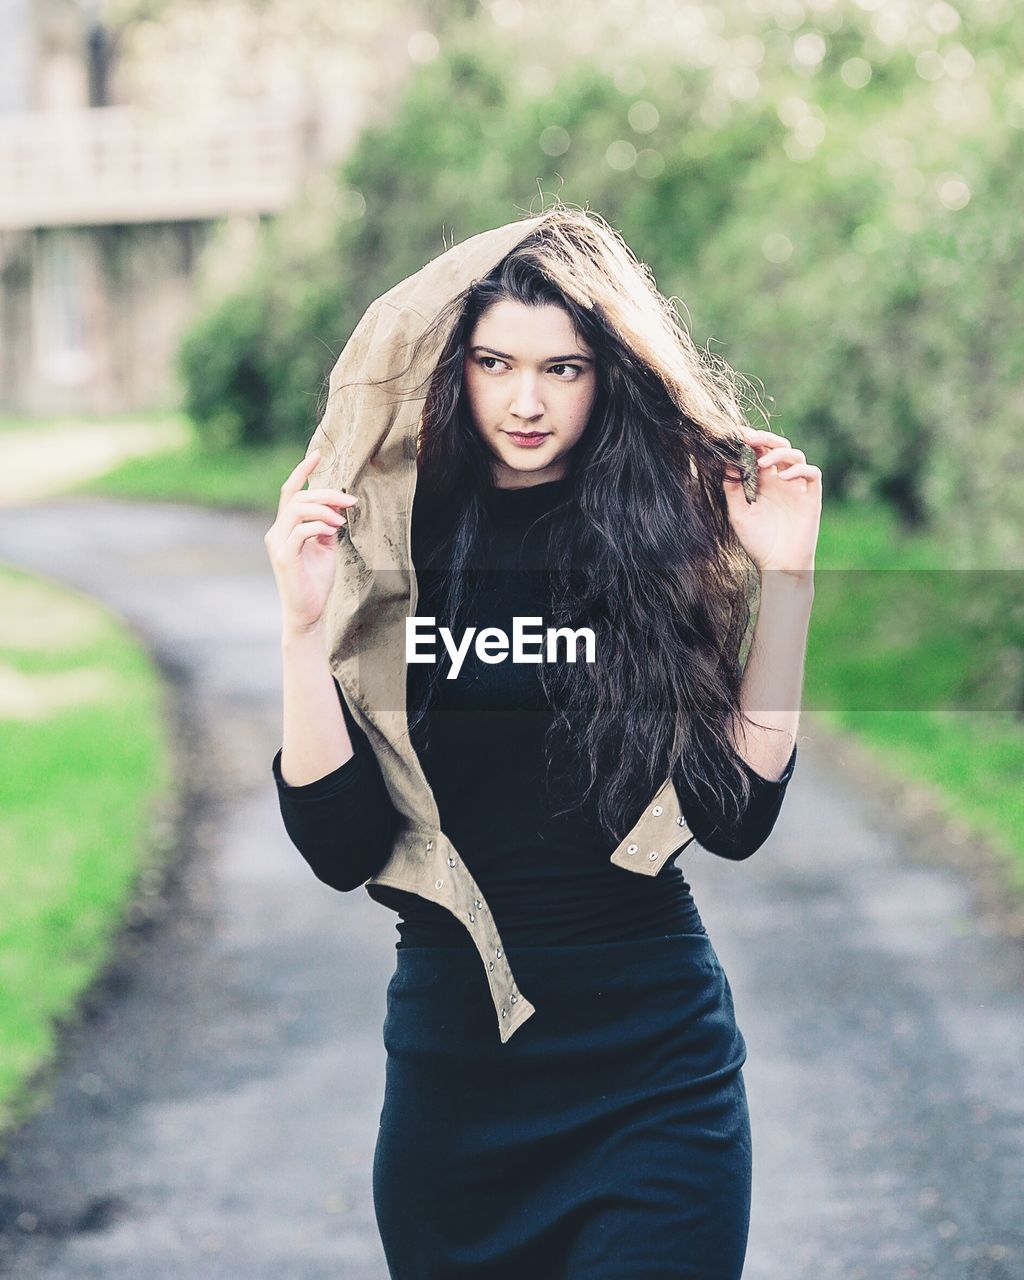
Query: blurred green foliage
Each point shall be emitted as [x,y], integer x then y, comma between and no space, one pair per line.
[846,235]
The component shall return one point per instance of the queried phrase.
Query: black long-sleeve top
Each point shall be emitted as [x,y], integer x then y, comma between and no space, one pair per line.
[547,878]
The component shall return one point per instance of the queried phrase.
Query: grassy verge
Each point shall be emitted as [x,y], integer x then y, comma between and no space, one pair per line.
[42,459]
[84,762]
[973,762]
[45,421]
[907,656]
[228,477]
[890,654]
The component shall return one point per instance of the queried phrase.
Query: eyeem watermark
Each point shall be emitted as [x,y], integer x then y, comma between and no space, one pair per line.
[493,645]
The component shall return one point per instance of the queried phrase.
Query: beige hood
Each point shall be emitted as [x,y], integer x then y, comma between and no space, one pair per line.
[367,439]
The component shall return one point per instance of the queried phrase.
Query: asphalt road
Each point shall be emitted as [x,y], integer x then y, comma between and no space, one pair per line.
[215,1117]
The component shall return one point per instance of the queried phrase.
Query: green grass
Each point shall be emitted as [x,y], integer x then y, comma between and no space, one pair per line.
[78,783]
[974,761]
[907,661]
[231,476]
[916,661]
[35,422]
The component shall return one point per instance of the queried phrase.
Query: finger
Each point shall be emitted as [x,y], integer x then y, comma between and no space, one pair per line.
[804,469]
[780,455]
[757,438]
[308,529]
[298,477]
[336,497]
[299,510]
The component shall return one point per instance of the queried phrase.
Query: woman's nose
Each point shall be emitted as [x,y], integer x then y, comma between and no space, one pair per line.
[526,403]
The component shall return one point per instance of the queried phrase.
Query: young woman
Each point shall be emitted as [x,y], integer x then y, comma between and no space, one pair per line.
[575,461]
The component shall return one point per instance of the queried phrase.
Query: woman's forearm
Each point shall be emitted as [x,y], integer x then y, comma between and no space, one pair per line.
[773,677]
[315,738]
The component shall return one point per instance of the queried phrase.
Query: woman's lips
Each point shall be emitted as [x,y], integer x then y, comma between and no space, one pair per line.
[528,440]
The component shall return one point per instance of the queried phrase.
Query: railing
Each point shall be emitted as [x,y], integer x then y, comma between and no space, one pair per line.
[115,164]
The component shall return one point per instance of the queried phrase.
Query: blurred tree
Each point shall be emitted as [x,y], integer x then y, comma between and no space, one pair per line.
[781,172]
[305,51]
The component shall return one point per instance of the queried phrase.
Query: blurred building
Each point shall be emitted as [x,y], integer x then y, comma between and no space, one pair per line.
[105,208]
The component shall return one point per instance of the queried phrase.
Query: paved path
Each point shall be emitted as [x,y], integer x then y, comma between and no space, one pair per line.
[217,1118]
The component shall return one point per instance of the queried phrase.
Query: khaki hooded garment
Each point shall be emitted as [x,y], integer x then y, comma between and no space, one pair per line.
[368,438]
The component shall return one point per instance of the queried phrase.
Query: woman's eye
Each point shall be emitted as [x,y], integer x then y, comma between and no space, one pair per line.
[494,361]
[574,367]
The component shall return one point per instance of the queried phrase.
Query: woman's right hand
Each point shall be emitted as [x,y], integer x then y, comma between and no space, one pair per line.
[301,546]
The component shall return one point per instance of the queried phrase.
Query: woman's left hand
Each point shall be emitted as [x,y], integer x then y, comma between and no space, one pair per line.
[780,529]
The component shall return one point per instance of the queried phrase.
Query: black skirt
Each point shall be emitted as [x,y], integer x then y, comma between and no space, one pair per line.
[609,1137]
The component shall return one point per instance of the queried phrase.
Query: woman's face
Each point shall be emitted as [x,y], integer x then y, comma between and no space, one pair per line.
[527,371]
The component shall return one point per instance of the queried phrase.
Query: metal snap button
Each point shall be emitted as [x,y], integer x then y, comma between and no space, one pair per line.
[680,822]
[490,964]
[472,917]
[451,862]
[657,811]
[632,849]
[654,855]
[498,953]
[504,1011]
[438,884]
[477,903]
[430,845]
[513,998]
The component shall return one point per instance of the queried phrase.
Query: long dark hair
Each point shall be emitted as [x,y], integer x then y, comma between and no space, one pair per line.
[645,554]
